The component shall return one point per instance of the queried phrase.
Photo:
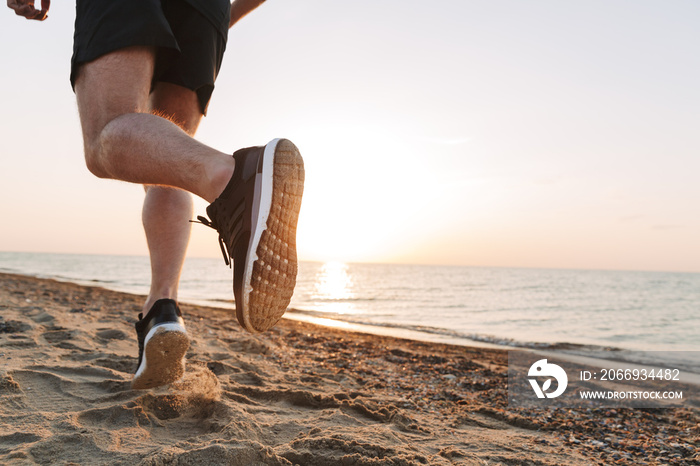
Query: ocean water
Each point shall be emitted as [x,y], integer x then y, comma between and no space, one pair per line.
[532,308]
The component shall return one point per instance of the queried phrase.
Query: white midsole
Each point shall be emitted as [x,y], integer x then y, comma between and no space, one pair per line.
[160,328]
[262,203]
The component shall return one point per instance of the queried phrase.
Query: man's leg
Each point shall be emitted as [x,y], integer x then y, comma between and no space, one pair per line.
[124,142]
[255,216]
[167,211]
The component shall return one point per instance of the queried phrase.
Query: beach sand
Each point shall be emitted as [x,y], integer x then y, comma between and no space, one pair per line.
[298,394]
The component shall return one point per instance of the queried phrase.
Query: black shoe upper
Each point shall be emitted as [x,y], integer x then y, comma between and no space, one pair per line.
[231,213]
[162,311]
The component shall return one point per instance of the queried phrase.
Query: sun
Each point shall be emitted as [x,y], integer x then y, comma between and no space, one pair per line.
[357,195]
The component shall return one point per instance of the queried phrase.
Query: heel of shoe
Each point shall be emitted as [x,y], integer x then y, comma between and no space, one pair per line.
[164,357]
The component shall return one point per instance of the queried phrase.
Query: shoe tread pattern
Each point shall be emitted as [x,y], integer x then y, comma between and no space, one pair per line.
[165,363]
[275,270]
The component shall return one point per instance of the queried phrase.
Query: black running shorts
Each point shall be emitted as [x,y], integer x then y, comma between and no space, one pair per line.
[190,43]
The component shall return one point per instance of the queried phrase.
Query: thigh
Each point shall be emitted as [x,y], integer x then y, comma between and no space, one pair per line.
[114,55]
[112,85]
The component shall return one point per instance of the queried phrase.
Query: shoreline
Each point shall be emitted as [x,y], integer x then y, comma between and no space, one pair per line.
[375,310]
[590,354]
[307,316]
[298,394]
[425,334]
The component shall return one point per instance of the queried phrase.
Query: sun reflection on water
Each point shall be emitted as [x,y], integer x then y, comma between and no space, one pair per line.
[334,288]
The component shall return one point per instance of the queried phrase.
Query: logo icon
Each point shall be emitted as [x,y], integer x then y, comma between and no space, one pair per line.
[542,368]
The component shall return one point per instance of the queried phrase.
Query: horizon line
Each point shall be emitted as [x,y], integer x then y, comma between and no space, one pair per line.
[386,263]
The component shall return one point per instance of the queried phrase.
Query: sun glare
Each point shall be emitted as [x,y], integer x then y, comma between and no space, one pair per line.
[358,195]
[334,287]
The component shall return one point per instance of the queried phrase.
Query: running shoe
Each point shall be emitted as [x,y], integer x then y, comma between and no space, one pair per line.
[163,343]
[256,218]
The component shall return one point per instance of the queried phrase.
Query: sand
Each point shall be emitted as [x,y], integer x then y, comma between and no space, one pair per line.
[298,394]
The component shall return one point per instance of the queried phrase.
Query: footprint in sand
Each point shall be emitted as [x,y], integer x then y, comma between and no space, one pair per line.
[60,389]
[124,364]
[111,334]
[57,335]
[14,334]
[37,314]
[63,338]
[13,326]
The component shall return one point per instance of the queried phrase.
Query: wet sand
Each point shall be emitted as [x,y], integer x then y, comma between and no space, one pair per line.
[298,394]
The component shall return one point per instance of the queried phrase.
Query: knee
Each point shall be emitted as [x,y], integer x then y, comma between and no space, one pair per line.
[97,146]
[93,162]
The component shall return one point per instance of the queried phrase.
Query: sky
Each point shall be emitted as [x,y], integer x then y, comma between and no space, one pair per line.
[503,133]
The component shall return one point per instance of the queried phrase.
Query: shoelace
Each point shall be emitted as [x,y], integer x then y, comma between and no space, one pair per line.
[208,223]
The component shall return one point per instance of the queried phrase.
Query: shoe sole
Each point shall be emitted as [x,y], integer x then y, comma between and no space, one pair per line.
[163,357]
[271,263]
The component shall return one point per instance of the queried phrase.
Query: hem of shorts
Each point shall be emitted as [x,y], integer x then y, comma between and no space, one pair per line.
[82,58]
[197,89]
